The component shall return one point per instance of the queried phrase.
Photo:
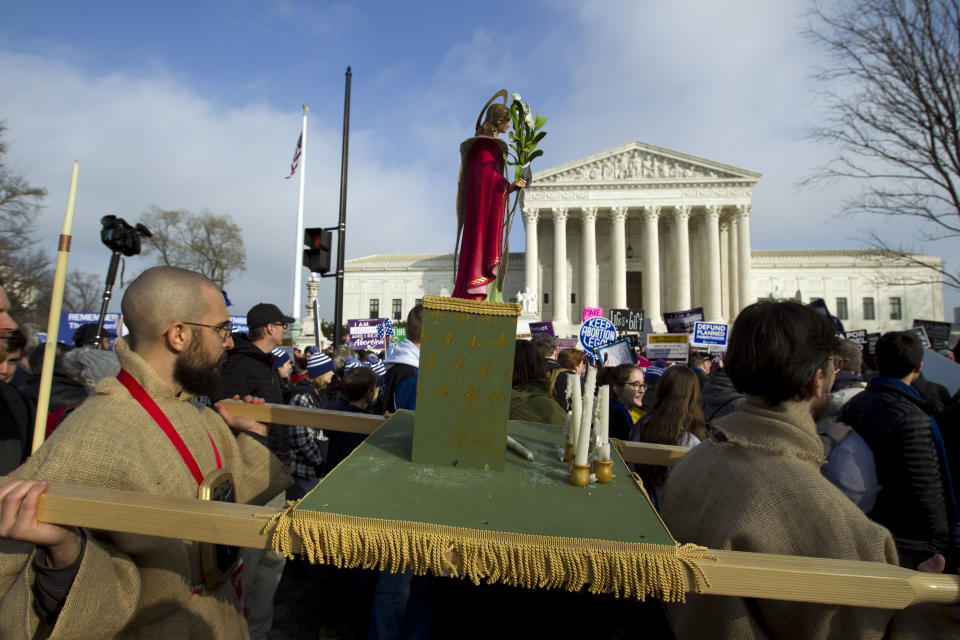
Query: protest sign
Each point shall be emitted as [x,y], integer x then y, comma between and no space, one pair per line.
[567,343]
[871,347]
[70,321]
[627,319]
[943,371]
[672,347]
[541,327]
[615,353]
[937,332]
[592,312]
[706,334]
[683,321]
[597,331]
[643,362]
[858,335]
[364,334]
[921,332]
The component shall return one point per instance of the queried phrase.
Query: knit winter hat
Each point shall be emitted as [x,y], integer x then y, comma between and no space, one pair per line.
[350,363]
[654,371]
[281,357]
[318,364]
[376,364]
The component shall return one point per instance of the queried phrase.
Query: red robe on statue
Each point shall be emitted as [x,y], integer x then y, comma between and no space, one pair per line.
[481,206]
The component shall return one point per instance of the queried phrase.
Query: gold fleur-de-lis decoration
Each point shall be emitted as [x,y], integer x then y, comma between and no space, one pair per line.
[509,372]
[432,362]
[448,340]
[486,370]
[488,319]
[471,395]
[501,342]
[444,390]
[423,335]
[458,365]
[461,318]
[474,342]
[496,396]
[435,314]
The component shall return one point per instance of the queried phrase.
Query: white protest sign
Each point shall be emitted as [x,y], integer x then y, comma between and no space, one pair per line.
[706,334]
[672,347]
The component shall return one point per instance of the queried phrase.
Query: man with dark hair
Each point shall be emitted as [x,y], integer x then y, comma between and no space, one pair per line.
[755,485]
[896,422]
[249,370]
[86,336]
[400,380]
[66,582]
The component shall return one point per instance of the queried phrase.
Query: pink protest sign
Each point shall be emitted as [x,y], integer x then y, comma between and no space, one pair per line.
[592,312]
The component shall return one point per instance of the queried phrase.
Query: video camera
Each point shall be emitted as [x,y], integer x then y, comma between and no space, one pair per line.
[120,237]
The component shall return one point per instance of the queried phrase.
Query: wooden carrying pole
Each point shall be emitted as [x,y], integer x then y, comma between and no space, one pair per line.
[53,320]
[641,452]
[733,573]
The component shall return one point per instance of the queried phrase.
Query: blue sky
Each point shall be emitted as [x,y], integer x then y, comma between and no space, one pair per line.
[197,106]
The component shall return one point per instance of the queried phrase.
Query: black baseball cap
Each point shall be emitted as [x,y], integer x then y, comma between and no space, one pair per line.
[86,333]
[260,315]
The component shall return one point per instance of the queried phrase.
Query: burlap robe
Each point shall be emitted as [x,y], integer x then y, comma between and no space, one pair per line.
[133,586]
[762,490]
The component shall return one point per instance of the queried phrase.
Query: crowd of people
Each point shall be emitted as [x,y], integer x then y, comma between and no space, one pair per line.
[797,444]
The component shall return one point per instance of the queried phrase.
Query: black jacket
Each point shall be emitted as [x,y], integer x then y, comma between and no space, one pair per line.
[249,371]
[911,503]
[719,395]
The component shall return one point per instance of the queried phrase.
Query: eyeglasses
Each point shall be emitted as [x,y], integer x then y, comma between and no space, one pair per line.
[283,325]
[636,385]
[839,362]
[224,329]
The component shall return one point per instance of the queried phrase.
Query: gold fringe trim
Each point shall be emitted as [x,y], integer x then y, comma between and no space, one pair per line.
[479,307]
[630,570]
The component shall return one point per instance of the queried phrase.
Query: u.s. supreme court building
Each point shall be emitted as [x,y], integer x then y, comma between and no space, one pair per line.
[639,226]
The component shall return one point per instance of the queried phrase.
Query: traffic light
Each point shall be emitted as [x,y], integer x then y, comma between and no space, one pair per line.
[316,256]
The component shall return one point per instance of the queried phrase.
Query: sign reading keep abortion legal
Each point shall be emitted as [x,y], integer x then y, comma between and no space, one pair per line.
[597,331]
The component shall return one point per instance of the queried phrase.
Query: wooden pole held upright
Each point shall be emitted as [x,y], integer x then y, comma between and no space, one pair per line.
[53,320]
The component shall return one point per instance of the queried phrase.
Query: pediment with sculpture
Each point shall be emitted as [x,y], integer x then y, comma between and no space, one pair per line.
[637,162]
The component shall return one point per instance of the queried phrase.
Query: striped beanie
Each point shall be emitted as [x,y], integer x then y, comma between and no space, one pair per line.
[376,364]
[350,363]
[318,364]
[281,357]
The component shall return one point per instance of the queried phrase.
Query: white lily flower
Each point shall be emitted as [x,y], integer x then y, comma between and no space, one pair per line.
[516,98]
[529,119]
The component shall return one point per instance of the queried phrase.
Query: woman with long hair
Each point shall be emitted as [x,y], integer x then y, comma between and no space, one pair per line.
[676,419]
[530,399]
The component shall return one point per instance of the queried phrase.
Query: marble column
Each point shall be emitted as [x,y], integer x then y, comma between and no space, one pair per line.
[724,270]
[651,263]
[618,257]
[712,307]
[561,292]
[531,262]
[591,278]
[733,279]
[743,255]
[681,275]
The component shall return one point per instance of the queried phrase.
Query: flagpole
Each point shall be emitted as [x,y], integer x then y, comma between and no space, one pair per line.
[298,245]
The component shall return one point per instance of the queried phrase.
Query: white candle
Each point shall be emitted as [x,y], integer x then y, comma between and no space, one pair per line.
[573,420]
[604,401]
[583,437]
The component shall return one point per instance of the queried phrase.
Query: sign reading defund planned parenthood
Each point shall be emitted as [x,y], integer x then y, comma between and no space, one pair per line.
[707,334]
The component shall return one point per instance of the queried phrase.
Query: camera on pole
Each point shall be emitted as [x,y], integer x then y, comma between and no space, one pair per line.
[316,256]
[121,239]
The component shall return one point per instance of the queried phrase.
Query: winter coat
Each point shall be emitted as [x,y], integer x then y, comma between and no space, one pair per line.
[895,422]
[532,403]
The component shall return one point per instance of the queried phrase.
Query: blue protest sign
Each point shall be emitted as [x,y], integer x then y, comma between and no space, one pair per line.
[70,321]
[541,327]
[597,331]
[709,333]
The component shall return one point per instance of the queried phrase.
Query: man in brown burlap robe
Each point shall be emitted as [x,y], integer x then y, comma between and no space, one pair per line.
[755,485]
[69,583]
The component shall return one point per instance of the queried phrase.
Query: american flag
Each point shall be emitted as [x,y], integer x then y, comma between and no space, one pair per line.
[296,156]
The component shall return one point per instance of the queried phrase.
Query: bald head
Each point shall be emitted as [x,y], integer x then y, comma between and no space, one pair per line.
[161,296]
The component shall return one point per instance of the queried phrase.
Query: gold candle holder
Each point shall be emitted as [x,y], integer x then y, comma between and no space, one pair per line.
[568,452]
[580,475]
[603,469]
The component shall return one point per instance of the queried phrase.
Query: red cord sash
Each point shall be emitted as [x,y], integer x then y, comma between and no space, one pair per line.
[141,396]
